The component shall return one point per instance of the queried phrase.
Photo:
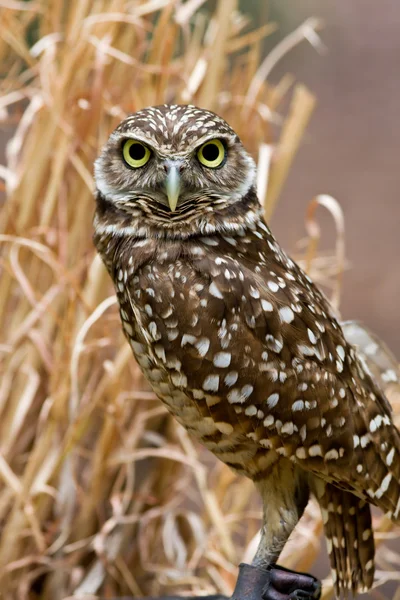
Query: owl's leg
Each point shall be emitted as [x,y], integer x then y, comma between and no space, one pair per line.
[285,494]
[281,583]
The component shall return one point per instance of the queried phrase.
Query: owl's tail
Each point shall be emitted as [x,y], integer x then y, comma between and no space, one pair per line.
[350,539]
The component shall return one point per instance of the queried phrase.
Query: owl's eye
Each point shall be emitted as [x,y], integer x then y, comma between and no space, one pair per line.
[135,153]
[212,154]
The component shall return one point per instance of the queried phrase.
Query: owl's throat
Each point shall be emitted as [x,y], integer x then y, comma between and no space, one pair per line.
[145,218]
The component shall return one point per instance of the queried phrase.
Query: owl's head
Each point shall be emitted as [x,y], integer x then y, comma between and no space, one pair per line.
[171,163]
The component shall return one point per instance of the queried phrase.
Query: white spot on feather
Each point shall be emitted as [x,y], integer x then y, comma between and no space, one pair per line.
[231,378]
[332,455]
[306,350]
[202,346]
[268,421]
[222,360]
[266,305]
[384,486]
[254,293]
[214,290]
[315,450]
[286,314]
[341,352]
[272,400]
[311,336]
[288,428]
[365,440]
[274,287]
[211,383]
[234,397]
[209,241]
[298,405]
[301,453]
[188,339]
[390,457]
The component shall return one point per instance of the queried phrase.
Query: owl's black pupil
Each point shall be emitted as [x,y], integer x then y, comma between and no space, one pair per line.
[211,152]
[137,152]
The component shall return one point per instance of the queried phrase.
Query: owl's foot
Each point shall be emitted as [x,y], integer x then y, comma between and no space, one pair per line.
[275,583]
[290,585]
[255,583]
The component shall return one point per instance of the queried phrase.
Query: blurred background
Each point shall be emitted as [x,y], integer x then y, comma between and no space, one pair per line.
[101,493]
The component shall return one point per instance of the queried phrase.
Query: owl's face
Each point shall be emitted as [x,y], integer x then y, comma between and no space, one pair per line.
[171,162]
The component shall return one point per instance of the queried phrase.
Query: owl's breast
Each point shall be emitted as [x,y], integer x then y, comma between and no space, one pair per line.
[158,340]
[187,341]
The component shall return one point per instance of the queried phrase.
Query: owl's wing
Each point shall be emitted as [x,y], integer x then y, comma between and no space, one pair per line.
[264,358]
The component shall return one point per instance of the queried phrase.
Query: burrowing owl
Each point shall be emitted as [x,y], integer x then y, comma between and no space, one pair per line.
[239,343]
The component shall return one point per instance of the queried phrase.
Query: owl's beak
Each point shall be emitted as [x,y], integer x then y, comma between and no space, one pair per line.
[173,182]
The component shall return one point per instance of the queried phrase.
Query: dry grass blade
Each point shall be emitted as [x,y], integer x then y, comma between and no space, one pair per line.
[303,104]
[101,493]
[314,233]
[306,31]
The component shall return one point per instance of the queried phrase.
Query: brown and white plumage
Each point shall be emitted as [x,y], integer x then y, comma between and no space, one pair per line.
[239,343]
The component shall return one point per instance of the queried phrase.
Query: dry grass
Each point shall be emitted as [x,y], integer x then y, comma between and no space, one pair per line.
[100,492]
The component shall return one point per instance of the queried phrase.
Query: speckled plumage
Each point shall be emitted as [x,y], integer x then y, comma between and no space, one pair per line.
[239,343]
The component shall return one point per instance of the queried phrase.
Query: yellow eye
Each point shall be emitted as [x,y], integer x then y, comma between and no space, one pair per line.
[212,154]
[135,153]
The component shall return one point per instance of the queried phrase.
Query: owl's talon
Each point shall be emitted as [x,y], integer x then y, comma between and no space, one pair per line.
[290,585]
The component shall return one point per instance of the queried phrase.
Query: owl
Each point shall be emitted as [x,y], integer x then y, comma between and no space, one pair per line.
[240,345]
